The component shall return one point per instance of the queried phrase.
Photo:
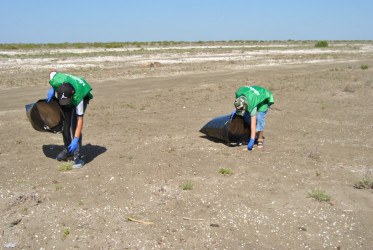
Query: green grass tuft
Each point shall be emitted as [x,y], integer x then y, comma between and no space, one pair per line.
[319,195]
[225,171]
[65,167]
[364,67]
[364,182]
[187,186]
[66,233]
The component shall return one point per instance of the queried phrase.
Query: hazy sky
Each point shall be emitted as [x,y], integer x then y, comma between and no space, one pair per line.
[34,21]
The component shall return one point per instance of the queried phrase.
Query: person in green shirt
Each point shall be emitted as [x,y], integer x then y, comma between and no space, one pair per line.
[253,102]
[73,95]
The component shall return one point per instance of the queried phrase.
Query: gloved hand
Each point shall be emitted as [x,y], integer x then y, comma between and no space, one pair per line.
[233,113]
[250,144]
[50,94]
[73,145]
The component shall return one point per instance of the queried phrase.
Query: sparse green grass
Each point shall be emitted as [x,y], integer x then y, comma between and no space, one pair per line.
[129,105]
[225,171]
[323,107]
[318,195]
[364,67]
[144,106]
[187,186]
[80,203]
[142,48]
[364,182]
[58,187]
[66,233]
[65,167]
[136,44]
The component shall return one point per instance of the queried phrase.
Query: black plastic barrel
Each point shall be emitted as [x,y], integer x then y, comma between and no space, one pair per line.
[45,116]
[231,130]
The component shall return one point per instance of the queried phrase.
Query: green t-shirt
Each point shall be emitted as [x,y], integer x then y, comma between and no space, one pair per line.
[258,98]
[253,112]
[82,88]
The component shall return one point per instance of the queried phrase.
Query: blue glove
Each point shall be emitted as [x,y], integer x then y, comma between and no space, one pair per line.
[73,145]
[250,144]
[50,94]
[233,113]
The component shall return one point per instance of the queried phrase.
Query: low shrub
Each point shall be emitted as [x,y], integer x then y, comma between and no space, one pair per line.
[364,67]
[322,44]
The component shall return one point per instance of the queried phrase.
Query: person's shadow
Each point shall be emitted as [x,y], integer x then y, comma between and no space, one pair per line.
[89,151]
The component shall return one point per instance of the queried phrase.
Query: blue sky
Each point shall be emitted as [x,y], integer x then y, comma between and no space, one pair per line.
[26,21]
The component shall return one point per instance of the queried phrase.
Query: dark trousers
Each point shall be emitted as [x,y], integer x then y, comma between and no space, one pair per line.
[69,126]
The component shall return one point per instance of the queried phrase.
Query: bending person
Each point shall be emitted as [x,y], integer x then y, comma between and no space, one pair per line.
[252,102]
[73,94]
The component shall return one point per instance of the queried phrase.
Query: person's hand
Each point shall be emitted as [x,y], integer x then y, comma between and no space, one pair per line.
[73,145]
[50,94]
[250,144]
[233,113]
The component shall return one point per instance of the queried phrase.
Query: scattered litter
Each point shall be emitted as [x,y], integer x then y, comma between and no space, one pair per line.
[186,218]
[139,221]
[8,245]
[245,149]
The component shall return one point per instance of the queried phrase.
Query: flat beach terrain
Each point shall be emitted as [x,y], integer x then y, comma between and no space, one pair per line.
[142,147]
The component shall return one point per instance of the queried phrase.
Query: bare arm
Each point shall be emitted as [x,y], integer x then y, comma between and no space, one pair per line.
[253,127]
[79,126]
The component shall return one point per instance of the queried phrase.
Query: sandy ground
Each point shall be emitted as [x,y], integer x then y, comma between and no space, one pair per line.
[142,144]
